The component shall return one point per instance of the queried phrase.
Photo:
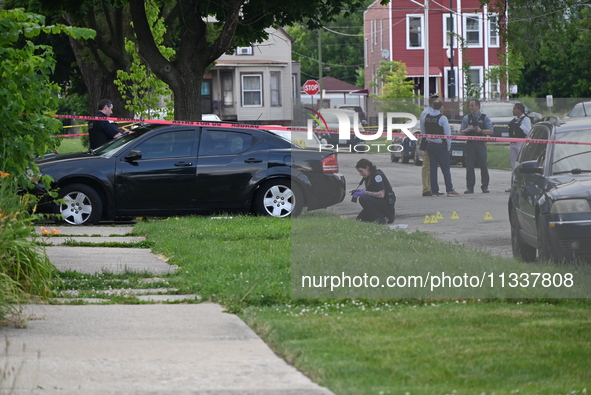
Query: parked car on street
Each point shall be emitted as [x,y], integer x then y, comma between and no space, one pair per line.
[580,110]
[550,200]
[501,113]
[156,170]
[358,110]
[332,137]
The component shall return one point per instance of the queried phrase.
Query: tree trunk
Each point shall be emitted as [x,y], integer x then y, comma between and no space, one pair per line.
[187,96]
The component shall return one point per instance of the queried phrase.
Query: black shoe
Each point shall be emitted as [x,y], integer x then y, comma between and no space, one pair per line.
[437,194]
[428,193]
[382,221]
[484,190]
[467,191]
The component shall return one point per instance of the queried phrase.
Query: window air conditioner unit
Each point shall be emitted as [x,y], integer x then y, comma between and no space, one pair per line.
[244,51]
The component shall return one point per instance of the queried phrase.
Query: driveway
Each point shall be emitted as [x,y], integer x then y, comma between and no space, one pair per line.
[471,229]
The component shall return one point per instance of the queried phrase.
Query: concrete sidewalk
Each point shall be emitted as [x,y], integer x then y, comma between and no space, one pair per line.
[138,349]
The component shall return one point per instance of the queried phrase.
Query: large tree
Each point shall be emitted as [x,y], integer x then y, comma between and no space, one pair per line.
[200,31]
[208,29]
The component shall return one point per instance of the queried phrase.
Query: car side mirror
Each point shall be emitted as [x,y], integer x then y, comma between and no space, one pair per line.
[530,167]
[133,155]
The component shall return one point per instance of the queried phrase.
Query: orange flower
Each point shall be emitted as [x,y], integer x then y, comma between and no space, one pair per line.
[3,174]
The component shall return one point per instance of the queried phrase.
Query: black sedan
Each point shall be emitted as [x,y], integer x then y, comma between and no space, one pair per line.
[176,170]
[550,200]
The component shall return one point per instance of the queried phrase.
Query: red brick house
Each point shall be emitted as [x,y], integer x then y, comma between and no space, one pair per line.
[401,31]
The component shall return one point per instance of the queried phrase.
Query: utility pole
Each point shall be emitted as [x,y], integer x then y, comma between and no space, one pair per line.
[321,101]
[426,53]
[452,80]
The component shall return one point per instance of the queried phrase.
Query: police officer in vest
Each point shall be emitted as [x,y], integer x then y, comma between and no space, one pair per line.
[438,148]
[476,124]
[519,127]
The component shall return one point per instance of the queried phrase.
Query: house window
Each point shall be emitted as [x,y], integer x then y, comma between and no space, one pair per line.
[493,30]
[244,51]
[275,89]
[473,82]
[228,89]
[472,30]
[495,88]
[252,90]
[414,31]
[449,29]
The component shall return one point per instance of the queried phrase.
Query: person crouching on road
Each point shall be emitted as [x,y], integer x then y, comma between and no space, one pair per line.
[377,198]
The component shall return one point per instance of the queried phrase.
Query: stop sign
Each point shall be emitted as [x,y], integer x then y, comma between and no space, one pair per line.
[311,87]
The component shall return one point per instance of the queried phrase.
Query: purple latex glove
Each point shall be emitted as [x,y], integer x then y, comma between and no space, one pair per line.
[358,192]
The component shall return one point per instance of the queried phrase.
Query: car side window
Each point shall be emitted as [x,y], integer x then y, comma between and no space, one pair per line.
[535,151]
[168,145]
[224,143]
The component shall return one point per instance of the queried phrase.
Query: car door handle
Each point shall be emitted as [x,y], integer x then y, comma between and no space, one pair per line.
[183,164]
[253,160]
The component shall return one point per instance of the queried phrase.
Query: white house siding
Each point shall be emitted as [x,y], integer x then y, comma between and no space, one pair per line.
[270,56]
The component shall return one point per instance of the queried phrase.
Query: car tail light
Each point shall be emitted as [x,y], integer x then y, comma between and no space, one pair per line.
[330,164]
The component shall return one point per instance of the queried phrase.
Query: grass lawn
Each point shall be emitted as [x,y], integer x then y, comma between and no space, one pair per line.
[71,144]
[378,346]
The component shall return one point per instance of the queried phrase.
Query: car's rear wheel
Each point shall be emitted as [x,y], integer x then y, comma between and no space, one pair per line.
[279,198]
[521,250]
[405,159]
[81,205]
[394,158]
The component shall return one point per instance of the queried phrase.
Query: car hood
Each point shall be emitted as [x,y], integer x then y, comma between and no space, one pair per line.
[52,158]
[571,186]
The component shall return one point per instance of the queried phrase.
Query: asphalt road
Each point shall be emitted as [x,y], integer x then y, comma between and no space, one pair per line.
[471,229]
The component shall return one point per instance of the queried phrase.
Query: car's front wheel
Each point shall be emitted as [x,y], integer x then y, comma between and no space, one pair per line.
[279,198]
[521,250]
[543,244]
[81,205]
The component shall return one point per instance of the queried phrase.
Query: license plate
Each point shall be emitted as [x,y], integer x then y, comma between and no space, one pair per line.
[456,153]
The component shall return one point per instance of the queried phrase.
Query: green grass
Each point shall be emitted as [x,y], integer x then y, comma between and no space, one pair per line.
[71,144]
[498,157]
[434,348]
[373,346]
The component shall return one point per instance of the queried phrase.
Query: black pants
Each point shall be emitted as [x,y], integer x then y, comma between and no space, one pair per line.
[475,152]
[376,209]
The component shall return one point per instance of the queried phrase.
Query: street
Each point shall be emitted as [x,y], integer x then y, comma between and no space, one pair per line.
[471,229]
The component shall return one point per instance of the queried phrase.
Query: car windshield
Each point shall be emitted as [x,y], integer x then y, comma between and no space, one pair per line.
[497,111]
[580,110]
[331,118]
[572,157]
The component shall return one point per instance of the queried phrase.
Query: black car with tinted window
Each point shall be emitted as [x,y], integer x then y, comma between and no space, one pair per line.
[175,170]
[550,200]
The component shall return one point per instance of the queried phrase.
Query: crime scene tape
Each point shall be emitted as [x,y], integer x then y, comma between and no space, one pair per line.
[332,131]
